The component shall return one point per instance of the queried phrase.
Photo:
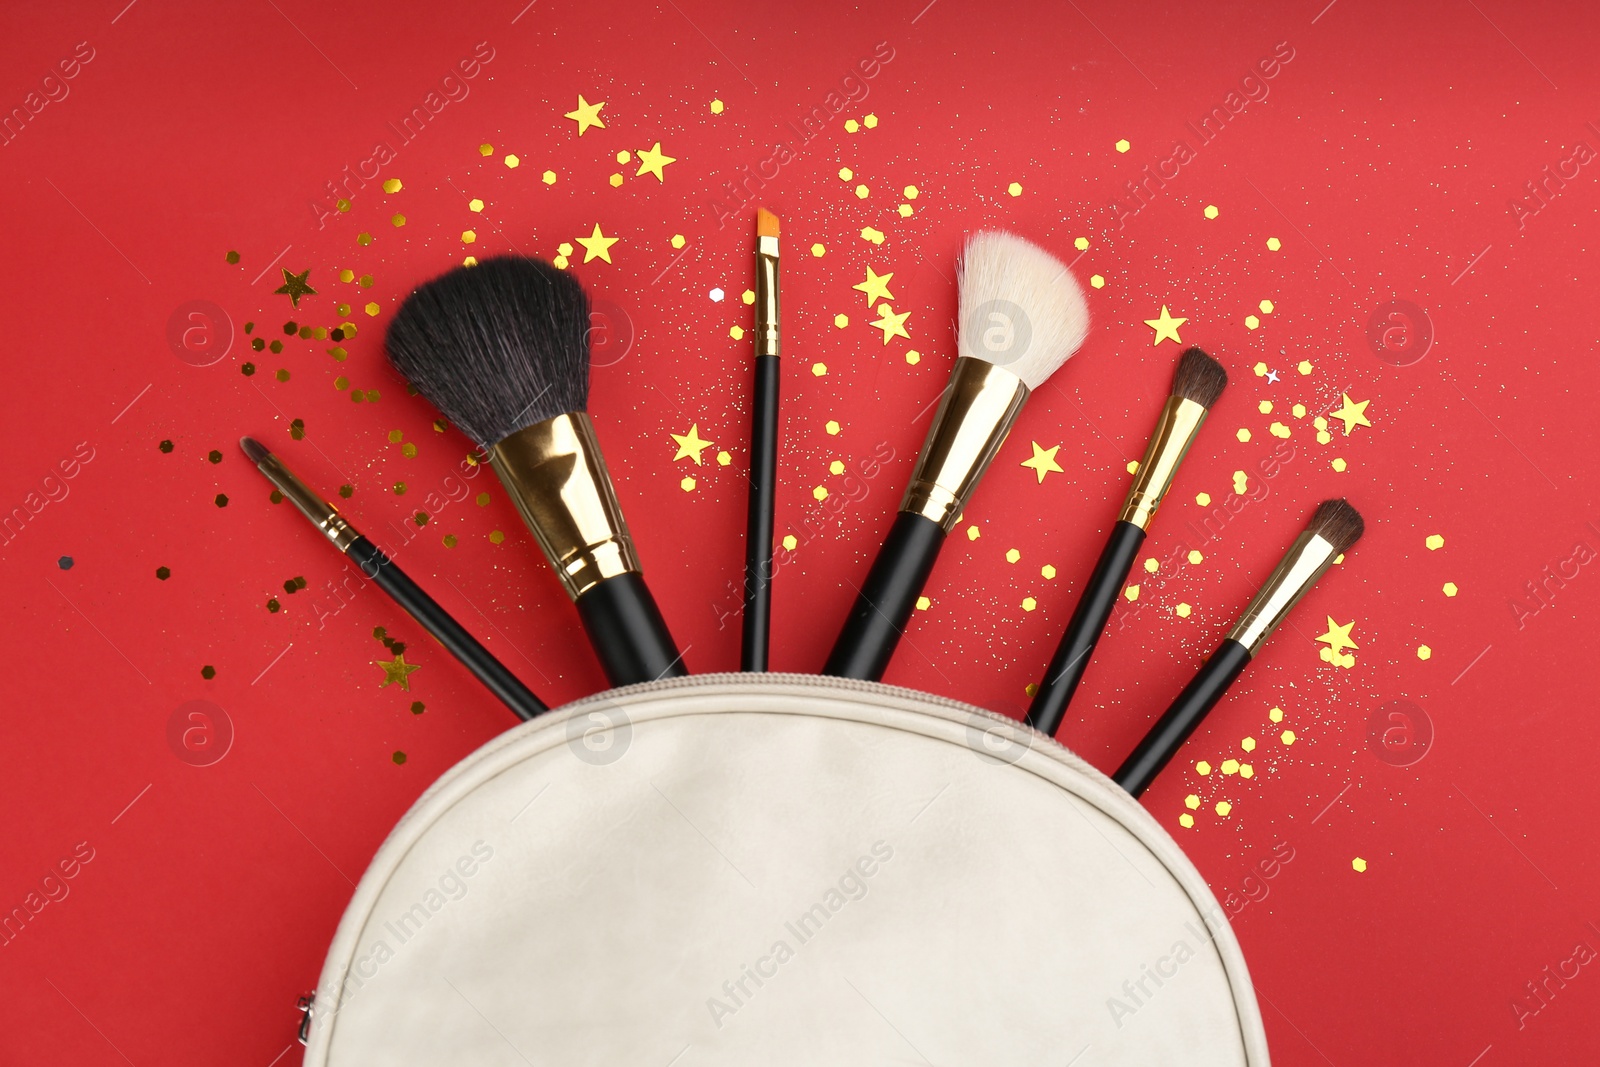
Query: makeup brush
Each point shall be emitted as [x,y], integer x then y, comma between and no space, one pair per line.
[392,580]
[1332,530]
[763,452]
[1196,384]
[1022,316]
[502,348]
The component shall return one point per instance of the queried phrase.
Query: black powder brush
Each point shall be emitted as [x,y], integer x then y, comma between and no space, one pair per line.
[1332,530]
[502,349]
[1196,384]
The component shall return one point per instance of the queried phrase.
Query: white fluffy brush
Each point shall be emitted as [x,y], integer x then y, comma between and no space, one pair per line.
[1021,308]
[1022,317]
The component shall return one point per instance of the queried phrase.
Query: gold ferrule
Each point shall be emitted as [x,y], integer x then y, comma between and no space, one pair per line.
[766,296]
[1180,421]
[1302,565]
[323,515]
[557,478]
[978,409]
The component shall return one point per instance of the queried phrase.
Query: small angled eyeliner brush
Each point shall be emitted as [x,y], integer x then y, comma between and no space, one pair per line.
[759,528]
[392,580]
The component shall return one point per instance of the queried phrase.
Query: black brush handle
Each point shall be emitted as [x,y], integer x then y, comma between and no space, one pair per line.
[439,622]
[1083,631]
[887,597]
[759,528]
[1179,721]
[627,631]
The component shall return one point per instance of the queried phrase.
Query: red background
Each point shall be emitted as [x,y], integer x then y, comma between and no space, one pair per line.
[1383,160]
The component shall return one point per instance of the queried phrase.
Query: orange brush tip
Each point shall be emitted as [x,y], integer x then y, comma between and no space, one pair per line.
[766,223]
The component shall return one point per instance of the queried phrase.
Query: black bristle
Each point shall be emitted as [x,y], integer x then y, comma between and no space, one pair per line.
[1199,378]
[1337,523]
[497,346]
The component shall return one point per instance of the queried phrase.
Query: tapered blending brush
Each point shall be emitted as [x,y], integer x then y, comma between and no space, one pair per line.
[1332,530]
[1022,315]
[392,580]
[759,527]
[502,348]
[1196,384]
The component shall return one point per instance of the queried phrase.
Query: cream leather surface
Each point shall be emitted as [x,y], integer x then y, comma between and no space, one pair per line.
[780,869]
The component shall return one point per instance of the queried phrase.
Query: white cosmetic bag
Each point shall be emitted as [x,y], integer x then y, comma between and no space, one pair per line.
[780,869]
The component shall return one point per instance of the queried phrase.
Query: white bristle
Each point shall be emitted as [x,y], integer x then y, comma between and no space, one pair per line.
[1021,308]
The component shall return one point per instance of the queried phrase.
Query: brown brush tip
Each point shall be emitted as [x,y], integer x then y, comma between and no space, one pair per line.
[1198,377]
[1337,523]
[766,223]
[254,449]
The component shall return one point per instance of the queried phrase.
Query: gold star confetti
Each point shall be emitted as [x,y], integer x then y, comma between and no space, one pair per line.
[652,160]
[1434,542]
[1338,637]
[1358,865]
[396,670]
[586,115]
[690,445]
[891,324]
[1043,461]
[1166,326]
[294,286]
[1352,414]
[876,287]
[597,245]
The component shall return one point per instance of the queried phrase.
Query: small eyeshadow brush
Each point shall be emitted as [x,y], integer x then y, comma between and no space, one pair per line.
[1332,530]
[1196,384]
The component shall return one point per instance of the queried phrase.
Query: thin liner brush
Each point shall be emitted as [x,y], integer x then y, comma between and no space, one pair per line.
[1022,316]
[392,580]
[1332,530]
[1197,382]
[759,527]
